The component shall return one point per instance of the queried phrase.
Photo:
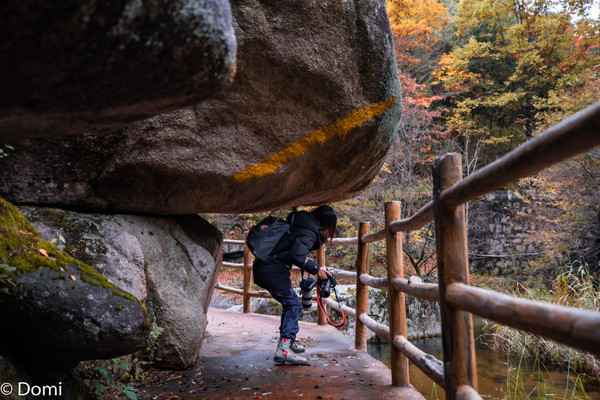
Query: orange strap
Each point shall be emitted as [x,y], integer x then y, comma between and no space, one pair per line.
[339,324]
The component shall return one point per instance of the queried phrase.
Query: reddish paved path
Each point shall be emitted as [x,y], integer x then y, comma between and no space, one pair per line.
[236,364]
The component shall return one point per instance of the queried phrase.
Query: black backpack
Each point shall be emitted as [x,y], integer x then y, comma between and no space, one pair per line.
[264,236]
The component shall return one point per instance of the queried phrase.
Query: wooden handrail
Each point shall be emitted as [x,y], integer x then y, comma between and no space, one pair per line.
[345,240]
[381,330]
[225,288]
[466,392]
[426,362]
[374,237]
[418,220]
[412,286]
[417,288]
[374,281]
[340,307]
[571,326]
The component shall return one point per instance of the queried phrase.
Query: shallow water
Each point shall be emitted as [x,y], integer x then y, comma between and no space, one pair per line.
[493,372]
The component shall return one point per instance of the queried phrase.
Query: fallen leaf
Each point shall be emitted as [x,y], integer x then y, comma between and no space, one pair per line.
[43,252]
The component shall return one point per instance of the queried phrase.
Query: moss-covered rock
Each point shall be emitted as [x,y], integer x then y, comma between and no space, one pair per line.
[57,310]
[22,248]
[167,262]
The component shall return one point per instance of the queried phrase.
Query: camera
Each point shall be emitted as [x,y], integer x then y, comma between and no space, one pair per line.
[326,286]
[306,287]
[308,284]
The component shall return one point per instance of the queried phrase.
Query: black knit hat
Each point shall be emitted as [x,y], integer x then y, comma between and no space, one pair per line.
[326,216]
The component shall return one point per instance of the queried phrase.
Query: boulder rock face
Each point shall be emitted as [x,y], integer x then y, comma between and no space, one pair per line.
[57,310]
[79,65]
[170,263]
[309,119]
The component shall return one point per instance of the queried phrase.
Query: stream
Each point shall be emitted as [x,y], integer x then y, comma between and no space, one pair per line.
[493,371]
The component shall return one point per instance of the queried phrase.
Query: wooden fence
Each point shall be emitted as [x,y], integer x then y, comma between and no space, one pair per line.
[458,299]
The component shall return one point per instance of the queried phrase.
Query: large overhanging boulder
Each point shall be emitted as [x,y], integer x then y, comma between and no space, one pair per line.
[309,119]
[69,66]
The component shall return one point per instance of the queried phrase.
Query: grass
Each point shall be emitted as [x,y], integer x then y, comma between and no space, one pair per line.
[576,287]
[518,383]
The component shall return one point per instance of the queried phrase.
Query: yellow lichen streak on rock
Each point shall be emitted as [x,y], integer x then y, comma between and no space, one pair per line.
[340,128]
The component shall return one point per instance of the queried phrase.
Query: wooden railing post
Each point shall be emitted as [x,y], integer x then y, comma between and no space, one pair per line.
[247,279]
[322,261]
[395,268]
[362,291]
[453,266]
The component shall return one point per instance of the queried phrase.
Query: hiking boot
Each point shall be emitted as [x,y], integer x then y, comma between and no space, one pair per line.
[283,355]
[297,347]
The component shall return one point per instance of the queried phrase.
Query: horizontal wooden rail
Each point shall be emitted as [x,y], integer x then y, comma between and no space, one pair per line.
[340,307]
[346,241]
[466,392]
[418,220]
[232,264]
[381,330]
[426,362]
[337,240]
[411,286]
[374,281]
[571,326]
[229,289]
[342,273]
[415,287]
[374,237]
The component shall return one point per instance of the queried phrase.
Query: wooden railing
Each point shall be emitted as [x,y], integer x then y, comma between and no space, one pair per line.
[458,300]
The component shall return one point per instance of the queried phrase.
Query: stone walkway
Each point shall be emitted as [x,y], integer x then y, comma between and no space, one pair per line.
[236,363]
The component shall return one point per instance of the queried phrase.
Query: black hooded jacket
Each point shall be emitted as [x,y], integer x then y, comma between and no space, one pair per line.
[304,237]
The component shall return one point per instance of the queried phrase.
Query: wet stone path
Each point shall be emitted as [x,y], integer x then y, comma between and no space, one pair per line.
[236,363]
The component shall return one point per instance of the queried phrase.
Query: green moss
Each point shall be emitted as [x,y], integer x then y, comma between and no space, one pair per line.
[22,248]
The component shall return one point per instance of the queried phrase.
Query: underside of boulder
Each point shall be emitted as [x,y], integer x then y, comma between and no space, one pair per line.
[72,66]
[308,119]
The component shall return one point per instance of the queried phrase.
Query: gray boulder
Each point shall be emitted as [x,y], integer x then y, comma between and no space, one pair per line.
[168,262]
[57,310]
[309,119]
[76,66]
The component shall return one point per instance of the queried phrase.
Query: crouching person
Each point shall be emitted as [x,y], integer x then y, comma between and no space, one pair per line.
[307,232]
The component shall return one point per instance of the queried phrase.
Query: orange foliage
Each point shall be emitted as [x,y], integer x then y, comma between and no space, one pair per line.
[416,25]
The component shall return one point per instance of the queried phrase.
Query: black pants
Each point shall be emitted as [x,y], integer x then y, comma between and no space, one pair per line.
[275,278]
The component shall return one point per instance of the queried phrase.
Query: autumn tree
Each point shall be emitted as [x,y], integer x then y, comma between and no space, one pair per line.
[513,61]
[418,27]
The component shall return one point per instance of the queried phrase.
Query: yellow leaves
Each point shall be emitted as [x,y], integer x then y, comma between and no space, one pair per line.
[416,23]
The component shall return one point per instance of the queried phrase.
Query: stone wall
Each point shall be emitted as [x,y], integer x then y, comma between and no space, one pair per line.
[517,230]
